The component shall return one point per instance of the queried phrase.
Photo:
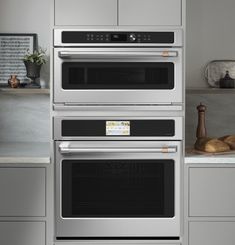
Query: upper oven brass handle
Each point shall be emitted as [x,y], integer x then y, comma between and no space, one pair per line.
[70,150]
[115,55]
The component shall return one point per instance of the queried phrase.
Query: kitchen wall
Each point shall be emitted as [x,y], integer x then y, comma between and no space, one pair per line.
[210,36]
[32,16]
[24,118]
[220,115]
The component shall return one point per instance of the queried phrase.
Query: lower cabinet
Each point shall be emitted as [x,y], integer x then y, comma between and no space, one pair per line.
[22,191]
[211,233]
[210,216]
[23,205]
[212,192]
[22,233]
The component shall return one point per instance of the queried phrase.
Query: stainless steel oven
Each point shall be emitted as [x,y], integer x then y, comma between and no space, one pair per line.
[117,67]
[118,177]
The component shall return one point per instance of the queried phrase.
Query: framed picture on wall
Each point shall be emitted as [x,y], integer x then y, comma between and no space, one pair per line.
[13,47]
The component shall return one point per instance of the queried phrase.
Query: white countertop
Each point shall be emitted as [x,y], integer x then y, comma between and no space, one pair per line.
[192,157]
[32,152]
[24,152]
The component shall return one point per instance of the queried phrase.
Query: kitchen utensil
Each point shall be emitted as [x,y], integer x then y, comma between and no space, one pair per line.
[201,127]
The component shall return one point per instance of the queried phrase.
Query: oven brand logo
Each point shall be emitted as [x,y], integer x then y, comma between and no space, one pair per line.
[121,128]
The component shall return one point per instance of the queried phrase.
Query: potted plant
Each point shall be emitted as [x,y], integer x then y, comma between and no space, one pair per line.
[33,63]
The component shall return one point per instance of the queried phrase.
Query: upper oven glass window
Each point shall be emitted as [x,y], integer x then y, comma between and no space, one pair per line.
[118,75]
[118,188]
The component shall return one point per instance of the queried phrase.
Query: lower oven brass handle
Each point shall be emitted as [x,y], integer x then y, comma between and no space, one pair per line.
[71,150]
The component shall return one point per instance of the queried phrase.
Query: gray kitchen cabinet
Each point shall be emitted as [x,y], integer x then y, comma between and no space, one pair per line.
[22,233]
[209,204]
[85,12]
[22,191]
[118,12]
[150,12]
[212,192]
[211,233]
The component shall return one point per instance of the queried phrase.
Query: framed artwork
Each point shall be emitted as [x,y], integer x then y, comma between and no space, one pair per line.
[13,47]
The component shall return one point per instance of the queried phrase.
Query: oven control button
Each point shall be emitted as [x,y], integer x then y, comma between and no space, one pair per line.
[132,37]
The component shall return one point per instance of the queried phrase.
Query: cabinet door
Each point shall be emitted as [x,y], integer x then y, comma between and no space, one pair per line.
[150,12]
[212,192]
[85,12]
[22,191]
[211,233]
[22,233]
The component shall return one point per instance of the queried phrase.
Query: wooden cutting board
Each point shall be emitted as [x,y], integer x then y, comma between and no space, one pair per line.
[194,151]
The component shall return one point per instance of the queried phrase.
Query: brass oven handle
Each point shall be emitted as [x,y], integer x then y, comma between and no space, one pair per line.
[115,55]
[70,150]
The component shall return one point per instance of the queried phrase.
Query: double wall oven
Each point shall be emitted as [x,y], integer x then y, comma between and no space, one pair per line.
[117,137]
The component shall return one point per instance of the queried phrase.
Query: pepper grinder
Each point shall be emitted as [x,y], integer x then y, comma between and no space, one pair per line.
[201,127]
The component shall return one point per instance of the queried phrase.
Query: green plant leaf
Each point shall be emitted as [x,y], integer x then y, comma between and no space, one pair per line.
[38,56]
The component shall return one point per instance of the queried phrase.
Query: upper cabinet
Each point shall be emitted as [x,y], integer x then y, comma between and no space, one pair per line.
[118,12]
[150,12]
[85,12]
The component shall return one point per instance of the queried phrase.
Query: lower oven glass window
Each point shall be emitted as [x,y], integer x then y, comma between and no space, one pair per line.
[117,188]
[118,75]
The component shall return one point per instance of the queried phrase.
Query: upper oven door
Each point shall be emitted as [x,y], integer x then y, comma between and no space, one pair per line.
[118,75]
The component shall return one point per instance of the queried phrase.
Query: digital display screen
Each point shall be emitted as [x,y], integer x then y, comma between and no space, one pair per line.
[117,37]
[121,128]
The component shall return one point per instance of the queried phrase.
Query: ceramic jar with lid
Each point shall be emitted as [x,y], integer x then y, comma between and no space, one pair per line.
[227,81]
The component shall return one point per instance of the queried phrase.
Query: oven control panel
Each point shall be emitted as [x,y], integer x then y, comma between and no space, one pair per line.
[117,37]
[116,128]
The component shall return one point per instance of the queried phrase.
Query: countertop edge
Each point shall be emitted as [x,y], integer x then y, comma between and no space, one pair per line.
[195,157]
[216,159]
[188,159]
[25,160]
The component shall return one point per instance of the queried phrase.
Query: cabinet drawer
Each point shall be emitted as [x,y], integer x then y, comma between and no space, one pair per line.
[22,233]
[211,233]
[150,12]
[22,191]
[212,191]
[85,12]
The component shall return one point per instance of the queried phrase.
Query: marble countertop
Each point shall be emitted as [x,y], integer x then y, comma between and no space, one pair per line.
[193,157]
[24,152]
[32,152]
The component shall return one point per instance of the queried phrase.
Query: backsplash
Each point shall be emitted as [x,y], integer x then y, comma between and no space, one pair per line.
[24,118]
[220,115]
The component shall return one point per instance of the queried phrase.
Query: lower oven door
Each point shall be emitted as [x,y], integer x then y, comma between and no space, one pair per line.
[118,189]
